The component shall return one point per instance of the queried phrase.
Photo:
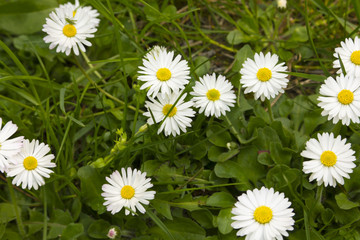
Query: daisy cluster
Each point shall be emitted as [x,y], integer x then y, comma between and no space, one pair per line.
[259,213]
[165,77]
[28,162]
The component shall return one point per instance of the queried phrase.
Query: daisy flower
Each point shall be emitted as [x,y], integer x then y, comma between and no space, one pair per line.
[178,116]
[349,53]
[31,165]
[72,8]
[68,29]
[154,52]
[281,3]
[341,99]
[331,159]
[127,190]
[214,95]
[263,76]
[8,147]
[262,214]
[163,73]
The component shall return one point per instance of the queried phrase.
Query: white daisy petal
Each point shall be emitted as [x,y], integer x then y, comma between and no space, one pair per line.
[131,195]
[178,118]
[262,214]
[331,162]
[339,99]
[163,73]
[263,76]
[28,168]
[214,95]
[69,25]
[8,147]
[349,53]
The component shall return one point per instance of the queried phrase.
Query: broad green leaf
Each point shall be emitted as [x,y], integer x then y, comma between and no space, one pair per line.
[221,199]
[344,203]
[203,217]
[224,221]
[91,183]
[99,229]
[72,231]
[218,135]
[25,16]
[7,211]
[202,65]
[162,207]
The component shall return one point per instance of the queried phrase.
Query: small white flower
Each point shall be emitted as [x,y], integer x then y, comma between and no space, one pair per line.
[281,3]
[31,165]
[68,29]
[177,119]
[350,56]
[162,73]
[263,76]
[213,95]
[331,159]
[154,52]
[8,147]
[112,233]
[127,190]
[341,99]
[72,8]
[262,214]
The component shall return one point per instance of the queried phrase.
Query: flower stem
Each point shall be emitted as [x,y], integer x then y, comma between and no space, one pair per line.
[16,209]
[45,214]
[268,103]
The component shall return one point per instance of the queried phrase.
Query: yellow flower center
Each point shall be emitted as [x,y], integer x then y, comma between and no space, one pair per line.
[213,94]
[263,214]
[264,74]
[127,192]
[355,57]
[328,158]
[163,74]
[166,109]
[345,97]
[30,163]
[69,30]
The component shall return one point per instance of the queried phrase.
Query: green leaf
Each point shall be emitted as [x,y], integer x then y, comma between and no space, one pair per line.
[91,183]
[236,37]
[72,231]
[202,65]
[218,135]
[61,220]
[162,207]
[25,16]
[240,57]
[203,217]
[35,216]
[344,203]
[99,229]
[221,199]
[184,229]
[7,211]
[224,221]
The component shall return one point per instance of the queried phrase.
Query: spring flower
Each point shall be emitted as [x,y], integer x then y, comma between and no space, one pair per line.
[340,99]
[262,214]
[177,117]
[162,73]
[73,8]
[263,76]
[331,159]
[112,233]
[68,28]
[213,95]
[8,147]
[349,53]
[281,3]
[154,52]
[31,165]
[127,190]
